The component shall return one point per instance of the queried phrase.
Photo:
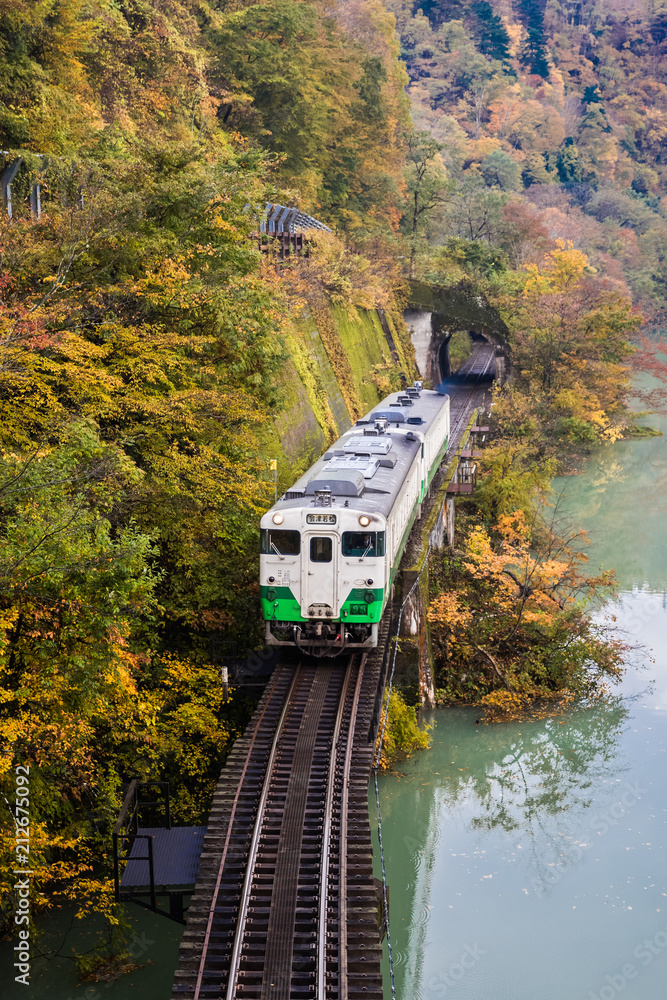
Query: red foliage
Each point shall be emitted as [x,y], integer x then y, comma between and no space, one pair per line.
[651,358]
[23,324]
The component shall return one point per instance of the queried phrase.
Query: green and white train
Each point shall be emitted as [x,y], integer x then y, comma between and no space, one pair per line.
[331,546]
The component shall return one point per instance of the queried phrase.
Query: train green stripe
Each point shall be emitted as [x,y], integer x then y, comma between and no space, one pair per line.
[280,605]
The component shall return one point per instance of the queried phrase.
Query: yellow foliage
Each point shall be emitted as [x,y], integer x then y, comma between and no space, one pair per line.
[446,610]
[562,271]
[505,705]
[480,148]
[515,619]
[402,734]
[508,706]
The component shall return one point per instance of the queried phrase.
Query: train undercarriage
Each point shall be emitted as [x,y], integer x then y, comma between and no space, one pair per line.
[322,638]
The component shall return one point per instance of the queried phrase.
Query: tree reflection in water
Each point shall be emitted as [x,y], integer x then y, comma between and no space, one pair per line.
[544,784]
[547,784]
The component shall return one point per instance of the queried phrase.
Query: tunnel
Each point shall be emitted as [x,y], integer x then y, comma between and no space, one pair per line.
[444,363]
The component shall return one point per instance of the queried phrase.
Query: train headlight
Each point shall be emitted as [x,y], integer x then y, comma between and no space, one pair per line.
[364,520]
[278,518]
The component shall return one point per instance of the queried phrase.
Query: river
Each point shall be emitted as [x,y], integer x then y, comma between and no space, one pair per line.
[528,860]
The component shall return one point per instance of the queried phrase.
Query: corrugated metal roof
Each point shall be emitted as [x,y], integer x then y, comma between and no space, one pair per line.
[176,855]
[281,219]
[379,494]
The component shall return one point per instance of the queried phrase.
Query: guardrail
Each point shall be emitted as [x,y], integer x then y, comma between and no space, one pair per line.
[126,830]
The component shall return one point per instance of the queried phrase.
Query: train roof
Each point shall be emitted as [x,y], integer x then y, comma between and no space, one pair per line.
[366,468]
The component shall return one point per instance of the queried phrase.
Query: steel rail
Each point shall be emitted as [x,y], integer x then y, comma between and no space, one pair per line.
[254,845]
[339,783]
[470,390]
[216,890]
[342,878]
[334,770]
[326,839]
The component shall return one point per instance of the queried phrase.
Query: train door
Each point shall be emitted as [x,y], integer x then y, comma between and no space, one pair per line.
[319,576]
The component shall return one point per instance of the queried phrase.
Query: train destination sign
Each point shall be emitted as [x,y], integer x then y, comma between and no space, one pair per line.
[320,518]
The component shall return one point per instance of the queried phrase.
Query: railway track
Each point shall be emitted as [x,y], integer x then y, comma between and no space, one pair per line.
[466,390]
[465,385]
[286,886]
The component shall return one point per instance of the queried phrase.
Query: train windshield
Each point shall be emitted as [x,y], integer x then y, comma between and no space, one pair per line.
[280,543]
[363,543]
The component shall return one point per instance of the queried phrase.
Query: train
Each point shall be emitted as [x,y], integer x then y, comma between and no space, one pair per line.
[332,544]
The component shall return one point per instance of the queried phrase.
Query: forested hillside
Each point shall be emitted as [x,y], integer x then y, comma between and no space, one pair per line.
[552,121]
[538,178]
[318,89]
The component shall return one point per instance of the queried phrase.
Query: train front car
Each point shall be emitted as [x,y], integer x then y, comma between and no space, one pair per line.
[323,566]
[332,543]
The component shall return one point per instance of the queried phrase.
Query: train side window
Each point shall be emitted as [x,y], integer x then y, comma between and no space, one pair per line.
[360,543]
[280,543]
[320,549]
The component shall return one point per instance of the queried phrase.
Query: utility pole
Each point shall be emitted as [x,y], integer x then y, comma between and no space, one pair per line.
[274,470]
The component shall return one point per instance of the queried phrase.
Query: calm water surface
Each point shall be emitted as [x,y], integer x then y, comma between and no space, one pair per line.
[529,860]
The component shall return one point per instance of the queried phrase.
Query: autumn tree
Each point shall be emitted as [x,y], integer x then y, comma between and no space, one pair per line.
[511,615]
[427,187]
[144,343]
[499,169]
[571,347]
[475,212]
[140,351]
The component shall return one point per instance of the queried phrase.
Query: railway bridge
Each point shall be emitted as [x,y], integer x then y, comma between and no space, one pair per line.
[286,906]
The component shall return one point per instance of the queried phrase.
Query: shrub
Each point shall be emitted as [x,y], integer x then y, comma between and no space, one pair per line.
[402,735]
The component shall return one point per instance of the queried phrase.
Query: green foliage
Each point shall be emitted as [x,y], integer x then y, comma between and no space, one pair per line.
[475,212]
[324,93]
[476,258]
[144,352]
[460,348]
[512,480]
[403,735]
[534,52]
[299,83]
[426,181]
[85,702]
[501,170]
[568,163]
[490,32]
[577,431]
[263,50]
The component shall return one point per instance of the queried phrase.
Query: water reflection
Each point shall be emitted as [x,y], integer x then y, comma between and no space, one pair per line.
[621,500]
[532,796]
[510,844]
